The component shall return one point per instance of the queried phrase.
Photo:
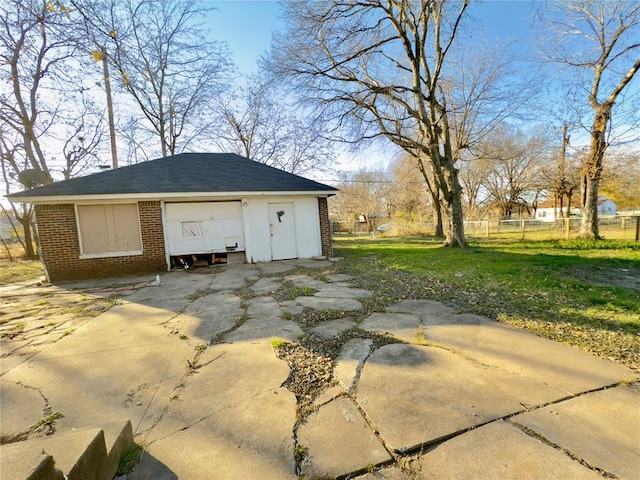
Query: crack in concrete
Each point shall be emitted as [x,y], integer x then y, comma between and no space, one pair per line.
[573,456]
[48,419]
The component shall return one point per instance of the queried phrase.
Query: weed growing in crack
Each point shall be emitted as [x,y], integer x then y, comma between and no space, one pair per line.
[48,423]
[201,347]
[420,339]
[240,320]
[289,291]
[129,459]
[278,343]
[300,452]
[192,365]
[203,292]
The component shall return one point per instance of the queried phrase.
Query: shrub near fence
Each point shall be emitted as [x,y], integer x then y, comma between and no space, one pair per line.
[611,227]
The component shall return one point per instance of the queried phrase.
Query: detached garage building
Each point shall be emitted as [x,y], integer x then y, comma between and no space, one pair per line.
[154,215]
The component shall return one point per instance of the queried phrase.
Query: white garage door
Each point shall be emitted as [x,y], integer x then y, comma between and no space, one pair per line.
[205,227]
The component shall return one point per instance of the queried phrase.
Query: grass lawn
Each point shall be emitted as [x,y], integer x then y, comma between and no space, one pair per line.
[579,292]
[20,268]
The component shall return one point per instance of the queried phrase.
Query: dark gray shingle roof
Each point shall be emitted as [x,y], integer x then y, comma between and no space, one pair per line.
[186,172]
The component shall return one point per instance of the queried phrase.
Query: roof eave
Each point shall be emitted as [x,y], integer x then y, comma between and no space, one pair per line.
[118,197]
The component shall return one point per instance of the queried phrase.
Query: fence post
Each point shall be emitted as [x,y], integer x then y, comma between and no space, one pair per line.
[486,229]
[638,229]
[522,228]
[568,228]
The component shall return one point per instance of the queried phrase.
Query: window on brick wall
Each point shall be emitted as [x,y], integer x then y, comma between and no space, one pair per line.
[109,230]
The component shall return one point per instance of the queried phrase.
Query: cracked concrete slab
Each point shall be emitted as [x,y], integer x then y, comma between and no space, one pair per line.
[338,441]
[261,306]
[326,303]
[403,326]
[22,408]
[332,290]
[264,328]
[233,277]
[123,362]
[416,394]
[301,280]
[234,413]
[310,263]
[273,268]
[499,450]
[291,307]
[266,285]
[332,328]
[600,428]
[420,307]
[338,277]
[516,351]
[226,412]
[209,316]
[350,362]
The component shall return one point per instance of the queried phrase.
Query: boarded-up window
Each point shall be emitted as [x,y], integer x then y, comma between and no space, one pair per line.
[191,229]
[109,229]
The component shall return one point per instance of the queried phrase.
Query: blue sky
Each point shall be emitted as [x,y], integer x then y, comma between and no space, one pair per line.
[247,25]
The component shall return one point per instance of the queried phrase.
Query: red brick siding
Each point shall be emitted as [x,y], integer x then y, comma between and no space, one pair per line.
[60,246]
[325,228]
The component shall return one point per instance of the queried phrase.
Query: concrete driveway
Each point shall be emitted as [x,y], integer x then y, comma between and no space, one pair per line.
[205,366]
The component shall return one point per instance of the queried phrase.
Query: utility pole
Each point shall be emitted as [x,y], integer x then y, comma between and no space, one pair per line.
[107,88]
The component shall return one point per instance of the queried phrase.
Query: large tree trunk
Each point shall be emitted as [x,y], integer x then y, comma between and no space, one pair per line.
[435,200]
[455,229]
[453,202]
[589,224]
[438,218]
[28,237]
[591,174]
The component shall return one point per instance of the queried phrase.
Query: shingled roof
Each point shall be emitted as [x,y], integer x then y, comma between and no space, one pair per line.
[207,173]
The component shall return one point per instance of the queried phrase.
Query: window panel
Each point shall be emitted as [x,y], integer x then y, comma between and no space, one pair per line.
[106,229]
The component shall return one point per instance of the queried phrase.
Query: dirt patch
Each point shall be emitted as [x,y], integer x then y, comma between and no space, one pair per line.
[628,278]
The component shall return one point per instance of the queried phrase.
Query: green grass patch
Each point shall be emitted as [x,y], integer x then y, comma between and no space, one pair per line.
[581,292]
[278,343]
[20,269]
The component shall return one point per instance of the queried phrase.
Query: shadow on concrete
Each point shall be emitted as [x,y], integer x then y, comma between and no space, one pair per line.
[150,467]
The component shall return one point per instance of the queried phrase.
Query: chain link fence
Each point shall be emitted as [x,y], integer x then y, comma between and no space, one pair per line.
[610,227]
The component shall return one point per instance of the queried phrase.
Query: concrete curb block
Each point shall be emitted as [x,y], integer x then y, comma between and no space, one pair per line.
[79,455]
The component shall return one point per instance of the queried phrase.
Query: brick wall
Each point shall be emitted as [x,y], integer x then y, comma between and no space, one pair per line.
[325,228]
[60,248]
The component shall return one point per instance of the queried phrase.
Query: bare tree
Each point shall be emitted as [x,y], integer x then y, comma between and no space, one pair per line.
[407,194]
[164,60]
[81,148]
[33,50]
[37,42]
[364,197]
[258,123]
[513,162]
[560,176]
[473,176]
[600,37]
[379,67]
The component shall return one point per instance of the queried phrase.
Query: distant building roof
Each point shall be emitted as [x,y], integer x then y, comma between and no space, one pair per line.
[183,173]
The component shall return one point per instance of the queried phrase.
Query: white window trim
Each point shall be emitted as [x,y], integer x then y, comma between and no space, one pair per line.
[84,256]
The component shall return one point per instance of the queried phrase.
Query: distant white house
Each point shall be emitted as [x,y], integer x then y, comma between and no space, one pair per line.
[547,213]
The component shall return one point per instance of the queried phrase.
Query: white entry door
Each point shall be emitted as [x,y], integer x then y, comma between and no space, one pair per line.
[283,231]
